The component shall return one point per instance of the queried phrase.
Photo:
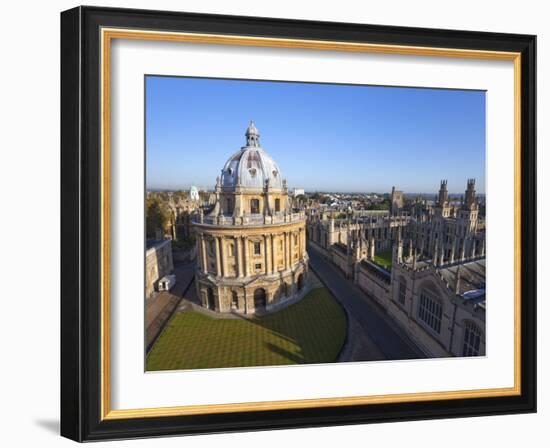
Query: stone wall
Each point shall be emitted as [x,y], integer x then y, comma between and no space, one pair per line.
[158,263]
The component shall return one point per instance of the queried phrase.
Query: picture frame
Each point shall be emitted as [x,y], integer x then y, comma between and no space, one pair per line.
[86,37]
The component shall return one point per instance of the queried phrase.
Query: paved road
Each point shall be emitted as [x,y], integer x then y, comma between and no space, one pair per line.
[372,334]
[160,307]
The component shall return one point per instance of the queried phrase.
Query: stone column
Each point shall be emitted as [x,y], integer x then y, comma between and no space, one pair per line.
[218,259]
[293,246]
[246,257]
[290,247]
[238,256]
[286,250]
[222,256]
[273,254]
[267,254]
[203,254]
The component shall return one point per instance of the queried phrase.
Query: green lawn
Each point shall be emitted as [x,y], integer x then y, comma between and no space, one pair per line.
[384,259]
[310,331]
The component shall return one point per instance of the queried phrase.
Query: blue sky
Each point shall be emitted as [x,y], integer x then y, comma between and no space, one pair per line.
[325,137]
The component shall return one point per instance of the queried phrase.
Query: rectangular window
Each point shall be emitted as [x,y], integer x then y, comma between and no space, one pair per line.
[230,206]
[402,292]
[430,312]
[472,339]
[257,248]
[277,205]
[254,206]
[258,266]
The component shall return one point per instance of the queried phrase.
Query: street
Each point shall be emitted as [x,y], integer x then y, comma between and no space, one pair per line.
[372,335]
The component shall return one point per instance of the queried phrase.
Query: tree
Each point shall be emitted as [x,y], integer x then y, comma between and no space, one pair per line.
[383,205]
[157,217]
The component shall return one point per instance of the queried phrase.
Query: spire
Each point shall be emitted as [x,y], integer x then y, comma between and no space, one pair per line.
[252,135]
[470,195]
[443,196]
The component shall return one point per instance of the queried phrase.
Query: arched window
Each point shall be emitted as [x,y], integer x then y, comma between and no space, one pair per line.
[430,311]
[402,293]
[259,299]
[212,246]
[472,339]
[257,248]
[277,205]
[254,206]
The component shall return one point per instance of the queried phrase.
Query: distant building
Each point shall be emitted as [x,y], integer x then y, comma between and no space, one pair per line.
[435,289]
[396,201]
[298,192]
[158,264]
[251,246]
[194,194]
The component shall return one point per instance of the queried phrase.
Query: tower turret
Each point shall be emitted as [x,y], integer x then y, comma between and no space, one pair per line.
[443,197]
[470,195]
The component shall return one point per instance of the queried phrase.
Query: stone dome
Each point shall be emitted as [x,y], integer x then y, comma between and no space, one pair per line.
[251,167]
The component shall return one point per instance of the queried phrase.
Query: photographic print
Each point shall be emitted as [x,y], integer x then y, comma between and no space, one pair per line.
[300,223]
[257,201]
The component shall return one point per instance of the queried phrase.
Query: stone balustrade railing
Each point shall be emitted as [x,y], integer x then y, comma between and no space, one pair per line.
[249,220]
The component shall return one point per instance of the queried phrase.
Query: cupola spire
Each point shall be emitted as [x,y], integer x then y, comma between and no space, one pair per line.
[252,135]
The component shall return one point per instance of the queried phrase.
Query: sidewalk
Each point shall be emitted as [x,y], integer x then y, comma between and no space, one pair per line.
[159,308]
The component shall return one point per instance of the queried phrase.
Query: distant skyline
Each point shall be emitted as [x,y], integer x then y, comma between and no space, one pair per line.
[324,137]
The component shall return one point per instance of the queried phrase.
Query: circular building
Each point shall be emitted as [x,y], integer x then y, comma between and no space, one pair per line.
[251,246]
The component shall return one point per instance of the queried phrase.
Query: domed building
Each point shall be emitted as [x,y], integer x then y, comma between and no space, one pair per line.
[194,194]
[251,246]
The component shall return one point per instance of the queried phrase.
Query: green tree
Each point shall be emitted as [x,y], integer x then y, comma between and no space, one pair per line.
[157,217]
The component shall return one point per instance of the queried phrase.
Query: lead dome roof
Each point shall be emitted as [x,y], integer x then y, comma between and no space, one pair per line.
[251,166]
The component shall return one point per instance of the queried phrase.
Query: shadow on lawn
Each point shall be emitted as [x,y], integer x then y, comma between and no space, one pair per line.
[294,357]
[271,323]
[301,327]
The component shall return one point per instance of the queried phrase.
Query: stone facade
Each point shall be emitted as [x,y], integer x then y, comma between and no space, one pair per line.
[252,245]
[435,290]
[158,263]
[396,201]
